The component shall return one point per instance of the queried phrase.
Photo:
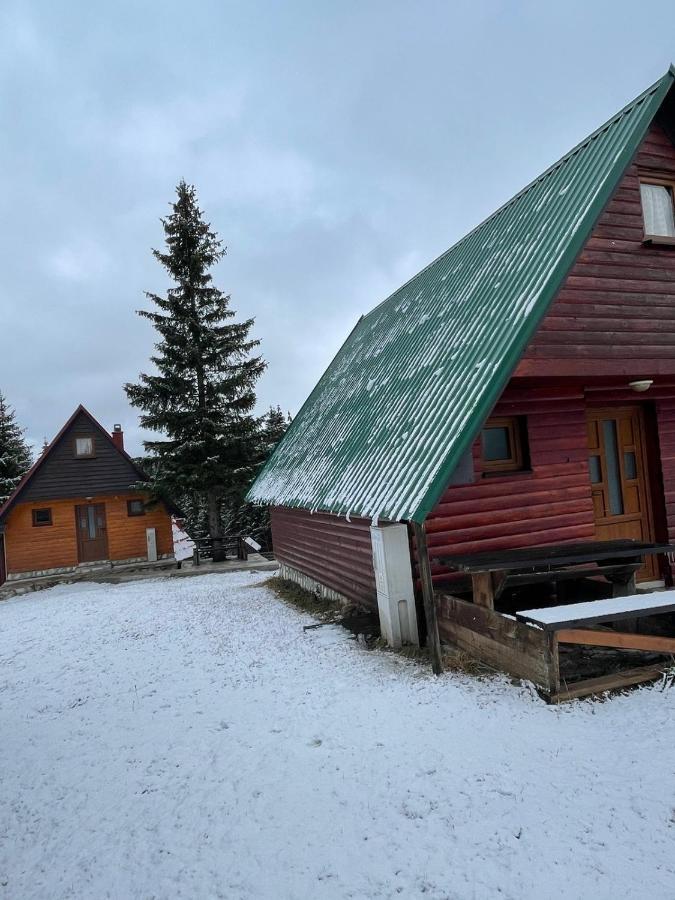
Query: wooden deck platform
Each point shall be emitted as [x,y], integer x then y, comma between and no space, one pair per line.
[527,645]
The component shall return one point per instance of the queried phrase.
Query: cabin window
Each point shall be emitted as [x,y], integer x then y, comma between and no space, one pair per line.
[42,517]
[84,447]
[504,445]
[658,209]
[135,508]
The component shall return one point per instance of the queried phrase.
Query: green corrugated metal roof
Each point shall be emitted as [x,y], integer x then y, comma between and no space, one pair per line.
[404,398]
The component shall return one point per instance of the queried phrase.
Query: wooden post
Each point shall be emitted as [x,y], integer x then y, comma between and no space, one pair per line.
[483,592]
[433,639]
[553,660]
[624,587]
[195,557]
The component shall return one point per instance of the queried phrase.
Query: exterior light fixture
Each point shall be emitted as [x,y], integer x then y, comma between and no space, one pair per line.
[640,386]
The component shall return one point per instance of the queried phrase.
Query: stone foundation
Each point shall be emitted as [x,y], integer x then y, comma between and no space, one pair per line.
[83,568]
[310,584]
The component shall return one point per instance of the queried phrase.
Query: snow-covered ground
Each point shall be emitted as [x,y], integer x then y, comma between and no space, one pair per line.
[186,738]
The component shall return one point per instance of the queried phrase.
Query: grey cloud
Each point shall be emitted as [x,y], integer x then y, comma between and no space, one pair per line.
[336,148]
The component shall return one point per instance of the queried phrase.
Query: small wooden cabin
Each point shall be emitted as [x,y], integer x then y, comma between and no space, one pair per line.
[518,392]
[78,508]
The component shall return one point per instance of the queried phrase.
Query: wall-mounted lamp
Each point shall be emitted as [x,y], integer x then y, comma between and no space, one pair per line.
[640,386]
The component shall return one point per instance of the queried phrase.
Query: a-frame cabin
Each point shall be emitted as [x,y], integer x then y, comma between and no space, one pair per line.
[519,392]
[81,507]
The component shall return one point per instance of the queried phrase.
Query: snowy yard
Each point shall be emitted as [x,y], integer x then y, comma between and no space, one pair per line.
[186,738]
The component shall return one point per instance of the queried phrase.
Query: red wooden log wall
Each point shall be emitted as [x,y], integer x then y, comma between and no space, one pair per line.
[551,503]
[329,549]
[666,420]
[547,505]
[615,313]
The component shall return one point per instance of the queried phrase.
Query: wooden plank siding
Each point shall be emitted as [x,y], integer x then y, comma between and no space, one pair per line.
[549,504]
[615,313]
[30,548]
[552,503]
[496,640]
[63,475]
[331,550]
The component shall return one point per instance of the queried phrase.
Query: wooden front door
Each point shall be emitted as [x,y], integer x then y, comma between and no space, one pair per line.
[619,478]
[92,534]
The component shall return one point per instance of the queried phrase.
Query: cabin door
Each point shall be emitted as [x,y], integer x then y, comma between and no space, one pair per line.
[92,534]
[619,478]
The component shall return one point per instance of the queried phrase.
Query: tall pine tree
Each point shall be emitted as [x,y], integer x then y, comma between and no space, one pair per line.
[255,520]
[202,395]
[274,427]
[15,455]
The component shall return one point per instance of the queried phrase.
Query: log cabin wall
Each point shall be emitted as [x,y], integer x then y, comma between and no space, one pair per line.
[332,551]
[548,504]
[615,313]
[551,503]
[30,548]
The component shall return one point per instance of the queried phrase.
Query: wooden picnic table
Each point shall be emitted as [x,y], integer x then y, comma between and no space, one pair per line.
[492,572]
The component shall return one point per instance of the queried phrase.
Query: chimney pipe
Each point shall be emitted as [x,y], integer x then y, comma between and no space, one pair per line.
[118,437]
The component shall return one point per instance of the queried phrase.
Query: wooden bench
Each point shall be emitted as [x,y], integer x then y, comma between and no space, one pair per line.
[573,624]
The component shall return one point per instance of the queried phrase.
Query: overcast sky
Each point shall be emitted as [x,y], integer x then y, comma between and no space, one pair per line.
[336,148]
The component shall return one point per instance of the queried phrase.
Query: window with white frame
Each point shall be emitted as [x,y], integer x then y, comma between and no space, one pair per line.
[658,208]
[84,447]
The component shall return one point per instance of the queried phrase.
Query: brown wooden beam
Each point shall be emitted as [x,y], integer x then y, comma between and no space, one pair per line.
[589,686]
[619,639]
[499,641]
[553,662]
[433,638]
[584,368]
[483,591]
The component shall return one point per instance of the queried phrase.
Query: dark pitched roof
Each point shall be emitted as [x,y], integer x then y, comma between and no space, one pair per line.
[404,398]
[57,474]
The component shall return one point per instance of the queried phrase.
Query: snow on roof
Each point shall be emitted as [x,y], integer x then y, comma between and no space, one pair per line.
[383,430]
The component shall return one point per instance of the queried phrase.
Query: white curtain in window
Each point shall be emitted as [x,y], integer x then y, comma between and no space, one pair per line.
[657,206]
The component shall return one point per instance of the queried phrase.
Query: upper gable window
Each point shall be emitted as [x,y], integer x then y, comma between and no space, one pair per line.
[84,447]
[658,208]
[504,445]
